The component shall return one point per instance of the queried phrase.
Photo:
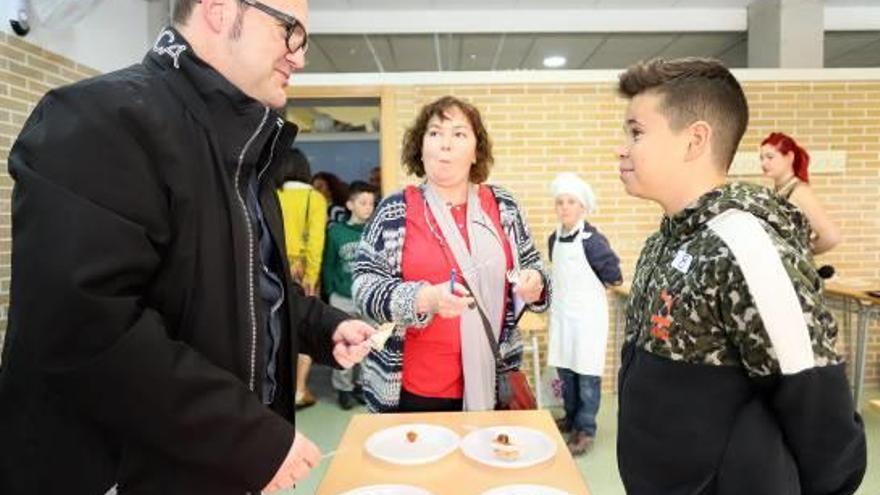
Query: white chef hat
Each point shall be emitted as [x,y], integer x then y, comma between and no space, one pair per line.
[570,183]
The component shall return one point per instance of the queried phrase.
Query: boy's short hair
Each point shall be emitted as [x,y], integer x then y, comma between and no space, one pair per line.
[359,187]
[694,88]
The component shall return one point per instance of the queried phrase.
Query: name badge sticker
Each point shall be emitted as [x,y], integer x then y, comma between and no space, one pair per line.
[682,261]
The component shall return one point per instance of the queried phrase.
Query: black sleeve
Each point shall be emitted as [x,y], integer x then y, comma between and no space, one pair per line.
[601,257]
[314,322]
[824,433]
[551,241]
[90,223]
[311,319]
[812,407]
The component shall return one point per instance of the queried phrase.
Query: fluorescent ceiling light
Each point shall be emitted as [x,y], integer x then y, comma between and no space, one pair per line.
[554,61]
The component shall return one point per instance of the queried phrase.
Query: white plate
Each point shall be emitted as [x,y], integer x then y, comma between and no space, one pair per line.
[536,446]
[432,443]
[388,490]
[525,490]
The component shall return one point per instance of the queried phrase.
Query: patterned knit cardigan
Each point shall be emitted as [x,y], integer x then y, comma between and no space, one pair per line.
[380,292]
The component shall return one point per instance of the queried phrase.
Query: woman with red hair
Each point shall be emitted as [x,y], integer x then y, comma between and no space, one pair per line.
[787,164]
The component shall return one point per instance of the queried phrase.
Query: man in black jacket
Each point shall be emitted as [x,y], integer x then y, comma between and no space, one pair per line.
[152,327]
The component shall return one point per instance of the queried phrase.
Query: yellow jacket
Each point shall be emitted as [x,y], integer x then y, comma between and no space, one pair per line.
[305,223]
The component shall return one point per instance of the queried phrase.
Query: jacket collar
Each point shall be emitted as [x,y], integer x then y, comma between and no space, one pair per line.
[754,199]
[235,117]
[693,216]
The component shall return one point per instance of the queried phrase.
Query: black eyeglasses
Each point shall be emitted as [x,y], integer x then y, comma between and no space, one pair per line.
[295,33]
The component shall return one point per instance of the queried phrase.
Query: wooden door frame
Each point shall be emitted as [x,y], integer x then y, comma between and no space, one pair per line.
[388,139]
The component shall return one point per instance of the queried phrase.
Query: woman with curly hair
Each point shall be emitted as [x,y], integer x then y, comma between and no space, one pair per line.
[448,261]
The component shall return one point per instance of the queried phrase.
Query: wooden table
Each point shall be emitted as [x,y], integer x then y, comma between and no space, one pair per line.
[866,307]
[353,467]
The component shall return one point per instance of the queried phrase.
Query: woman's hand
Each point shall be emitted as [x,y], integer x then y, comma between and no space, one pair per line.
[529,286]
[439,300]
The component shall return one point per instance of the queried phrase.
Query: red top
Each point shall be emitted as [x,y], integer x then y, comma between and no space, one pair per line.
[432,355]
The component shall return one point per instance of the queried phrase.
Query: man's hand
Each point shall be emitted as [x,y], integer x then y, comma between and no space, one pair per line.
[301,458]
[529,286]
[352,342]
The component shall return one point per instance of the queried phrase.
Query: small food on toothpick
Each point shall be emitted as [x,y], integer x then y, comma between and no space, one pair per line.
[377,340]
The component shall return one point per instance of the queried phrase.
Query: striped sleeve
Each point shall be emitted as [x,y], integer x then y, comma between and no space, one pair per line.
[378,288]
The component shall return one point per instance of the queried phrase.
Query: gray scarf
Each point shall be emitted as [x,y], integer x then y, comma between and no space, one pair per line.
[483,267]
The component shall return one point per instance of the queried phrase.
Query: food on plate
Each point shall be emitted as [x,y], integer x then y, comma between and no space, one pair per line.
[504,448]
[377,340]
[411,436]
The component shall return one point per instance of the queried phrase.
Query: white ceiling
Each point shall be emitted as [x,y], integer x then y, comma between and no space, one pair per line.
[478,35]
[481,52]
[549,4]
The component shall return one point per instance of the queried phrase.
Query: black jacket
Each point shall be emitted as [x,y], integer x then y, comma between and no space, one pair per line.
[133,354]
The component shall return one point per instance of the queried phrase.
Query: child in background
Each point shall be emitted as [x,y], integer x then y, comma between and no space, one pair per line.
[335,191]
[304,210]
[339,253]
[305,219]
[583,266]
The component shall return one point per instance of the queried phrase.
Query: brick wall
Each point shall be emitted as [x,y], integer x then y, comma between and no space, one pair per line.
[542,129]
[26,74]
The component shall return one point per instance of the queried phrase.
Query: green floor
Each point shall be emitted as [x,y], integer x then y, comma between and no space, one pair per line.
[324,423]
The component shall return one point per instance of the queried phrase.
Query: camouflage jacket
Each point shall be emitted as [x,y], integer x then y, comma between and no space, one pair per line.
[690,302]
[729,380]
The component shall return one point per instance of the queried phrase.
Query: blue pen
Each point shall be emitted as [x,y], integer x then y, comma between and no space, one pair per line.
[452,281]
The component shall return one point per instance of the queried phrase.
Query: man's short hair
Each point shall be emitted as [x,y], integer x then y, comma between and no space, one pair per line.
[694,89]
[181,11]
[359,187]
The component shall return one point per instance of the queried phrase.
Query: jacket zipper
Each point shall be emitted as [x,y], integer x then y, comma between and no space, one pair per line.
[278,125]
[252,311]
[251,302]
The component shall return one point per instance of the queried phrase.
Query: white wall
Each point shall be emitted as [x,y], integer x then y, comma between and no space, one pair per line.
[115,34]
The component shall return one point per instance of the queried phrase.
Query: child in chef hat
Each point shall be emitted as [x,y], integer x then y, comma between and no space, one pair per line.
[583,266]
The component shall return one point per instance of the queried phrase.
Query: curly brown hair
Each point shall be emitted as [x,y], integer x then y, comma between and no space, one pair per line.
[694,88]
[412,140]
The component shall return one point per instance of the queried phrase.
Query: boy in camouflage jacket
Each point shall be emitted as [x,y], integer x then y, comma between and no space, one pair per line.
[729,382]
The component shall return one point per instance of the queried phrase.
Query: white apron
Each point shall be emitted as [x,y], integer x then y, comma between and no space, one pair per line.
[579,312]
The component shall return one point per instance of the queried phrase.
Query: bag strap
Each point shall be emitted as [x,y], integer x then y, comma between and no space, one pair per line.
[459,252]
[487,327]
[305,232]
